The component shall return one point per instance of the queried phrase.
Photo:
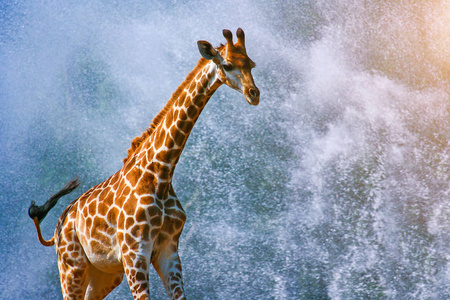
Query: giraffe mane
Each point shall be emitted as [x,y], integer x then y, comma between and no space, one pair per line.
[139,140]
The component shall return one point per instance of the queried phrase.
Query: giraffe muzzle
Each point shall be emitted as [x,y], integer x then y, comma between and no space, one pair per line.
[252,95]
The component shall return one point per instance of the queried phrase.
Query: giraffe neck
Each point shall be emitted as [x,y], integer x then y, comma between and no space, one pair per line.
[162,149]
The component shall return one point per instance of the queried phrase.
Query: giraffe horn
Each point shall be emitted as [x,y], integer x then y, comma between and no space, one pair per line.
[241,37]
[228,36]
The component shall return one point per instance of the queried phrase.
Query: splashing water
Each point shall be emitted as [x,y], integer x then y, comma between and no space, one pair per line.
[335,187]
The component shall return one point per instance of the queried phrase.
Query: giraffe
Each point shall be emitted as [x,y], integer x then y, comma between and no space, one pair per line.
[134,218]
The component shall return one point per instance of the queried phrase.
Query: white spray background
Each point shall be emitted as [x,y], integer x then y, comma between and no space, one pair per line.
[335,187]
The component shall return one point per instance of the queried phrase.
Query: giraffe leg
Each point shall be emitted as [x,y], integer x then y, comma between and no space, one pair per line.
[101,283]
[136,270]
[168,266]
[72,261]
[84,281]
[73,276]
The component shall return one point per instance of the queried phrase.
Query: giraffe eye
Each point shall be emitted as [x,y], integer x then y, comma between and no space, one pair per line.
[228,67]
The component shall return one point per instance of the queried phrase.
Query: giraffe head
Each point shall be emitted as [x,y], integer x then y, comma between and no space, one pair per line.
[233,64]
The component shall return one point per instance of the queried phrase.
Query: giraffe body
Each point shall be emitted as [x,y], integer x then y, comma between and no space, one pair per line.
[134,218]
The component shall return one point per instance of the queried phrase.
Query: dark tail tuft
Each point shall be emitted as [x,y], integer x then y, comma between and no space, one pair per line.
[40,212]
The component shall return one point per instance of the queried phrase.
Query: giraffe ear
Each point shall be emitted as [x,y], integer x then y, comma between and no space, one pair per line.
[206,50]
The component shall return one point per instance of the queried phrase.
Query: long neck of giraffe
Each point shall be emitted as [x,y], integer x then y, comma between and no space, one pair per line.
[162,149]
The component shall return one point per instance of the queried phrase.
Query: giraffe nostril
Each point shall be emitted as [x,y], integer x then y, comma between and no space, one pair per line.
[253,92]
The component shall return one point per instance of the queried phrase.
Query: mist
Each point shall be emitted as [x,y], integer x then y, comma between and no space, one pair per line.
[336,186]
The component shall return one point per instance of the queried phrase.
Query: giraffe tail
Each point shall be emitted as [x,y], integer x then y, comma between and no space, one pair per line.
[38,213]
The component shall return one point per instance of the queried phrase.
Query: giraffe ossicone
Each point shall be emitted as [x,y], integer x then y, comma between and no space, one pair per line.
[134,218]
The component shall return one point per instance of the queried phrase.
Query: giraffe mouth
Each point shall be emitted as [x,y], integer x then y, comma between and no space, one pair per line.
[253,102]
